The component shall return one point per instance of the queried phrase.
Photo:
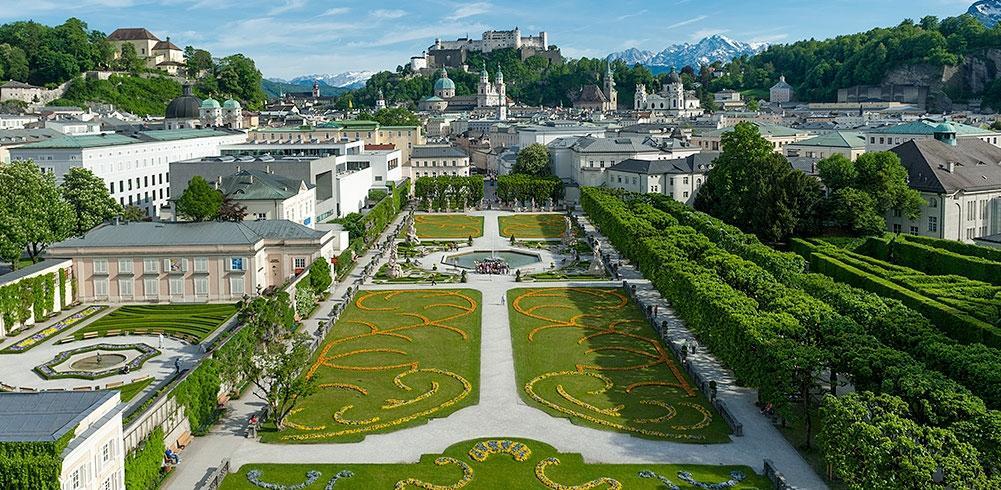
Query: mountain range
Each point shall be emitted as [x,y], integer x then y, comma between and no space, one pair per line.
[348,79]
[706,51]
[986,11]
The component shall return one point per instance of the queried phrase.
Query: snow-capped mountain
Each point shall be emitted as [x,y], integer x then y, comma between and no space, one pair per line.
[348,79]
[707,50]
[987,11]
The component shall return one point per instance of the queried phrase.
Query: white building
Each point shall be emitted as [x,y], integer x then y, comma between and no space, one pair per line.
[672,100]
[493,40]
[94,458]
[16,121]
[679,178]
[437,161]
[886,137]
[135,166]
[74,126]
[270,196]
[15,90]
[586,159]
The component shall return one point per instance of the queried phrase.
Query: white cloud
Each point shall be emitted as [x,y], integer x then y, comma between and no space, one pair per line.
[388,13]
[443,30]
[687,21]
[701,33]
[334,11]
[469,10]
[286,6]
[771,38]
[629,16]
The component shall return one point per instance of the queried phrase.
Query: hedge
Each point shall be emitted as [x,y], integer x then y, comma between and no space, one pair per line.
[143,465]
[31,296]
[932,260]
[383,213]
[989,253]
[33,464]
[948,319]
[444,192]
[524,188]
[199,391]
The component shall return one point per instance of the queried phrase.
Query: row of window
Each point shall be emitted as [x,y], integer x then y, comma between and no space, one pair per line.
[444,163]
[153,265]
[434,174]
[151,287]
[163,177]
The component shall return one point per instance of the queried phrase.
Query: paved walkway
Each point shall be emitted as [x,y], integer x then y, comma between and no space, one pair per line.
[502,413]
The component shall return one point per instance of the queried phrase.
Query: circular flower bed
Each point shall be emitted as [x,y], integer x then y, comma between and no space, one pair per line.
[49,369]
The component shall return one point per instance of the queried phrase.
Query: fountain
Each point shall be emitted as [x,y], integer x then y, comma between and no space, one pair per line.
[510,258]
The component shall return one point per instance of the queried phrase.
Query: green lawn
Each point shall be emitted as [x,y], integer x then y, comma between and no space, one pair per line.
[448,226]
[538,226]
[457,468]
[394,359]
[129,391]
[197,321]
[589,354]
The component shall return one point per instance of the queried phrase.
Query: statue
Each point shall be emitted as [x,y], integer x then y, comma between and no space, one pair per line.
[597,263]
[412,232]
[533,204]
[568,236]
[394,269]
[549,204]
[427,203]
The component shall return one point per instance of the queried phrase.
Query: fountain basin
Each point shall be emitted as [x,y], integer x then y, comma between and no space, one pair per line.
[514,260]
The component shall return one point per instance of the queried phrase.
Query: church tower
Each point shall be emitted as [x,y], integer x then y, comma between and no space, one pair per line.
[611,95]
[380,103]
[316,89]
[640,100]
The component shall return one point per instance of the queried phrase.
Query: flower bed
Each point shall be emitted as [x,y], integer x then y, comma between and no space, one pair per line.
[54,329]
[48,371]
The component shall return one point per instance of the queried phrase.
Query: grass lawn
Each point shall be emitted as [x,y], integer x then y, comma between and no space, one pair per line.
[456,468]
[448,226]
[129,391]
[394,359]
[540,226]
[197,321]
[589,354]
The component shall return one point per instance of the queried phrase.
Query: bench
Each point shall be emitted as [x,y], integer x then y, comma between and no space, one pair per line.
[114,385]
[112,333]
[83,388]
[91,335]
[144,378]
[222,401]
[184,440]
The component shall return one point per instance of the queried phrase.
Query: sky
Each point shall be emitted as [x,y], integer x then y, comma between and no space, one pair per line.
[288,38]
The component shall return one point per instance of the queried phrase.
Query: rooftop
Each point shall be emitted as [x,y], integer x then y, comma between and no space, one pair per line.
[692,164]
[132,34]
[116,139]
[926,127]
[168,233]
[46,416]
[766,130]
[254,185]
[590,144]
[975,165]
[437,152]
[836,139]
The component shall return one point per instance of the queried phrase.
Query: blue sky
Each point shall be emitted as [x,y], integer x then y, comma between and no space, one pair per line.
[294,37]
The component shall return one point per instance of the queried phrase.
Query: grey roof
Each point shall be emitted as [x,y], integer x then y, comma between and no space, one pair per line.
[22,136]
[437,152]
[167,233]
[45,416]
[590,93]
[807,165]
[17,84]
[255,185]
[26,271]
[976,165]
[692,164]
[132,34]
[835,139]
[589,144]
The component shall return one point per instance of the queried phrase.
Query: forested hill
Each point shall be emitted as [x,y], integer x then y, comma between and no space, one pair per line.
[816,69]
[48,56]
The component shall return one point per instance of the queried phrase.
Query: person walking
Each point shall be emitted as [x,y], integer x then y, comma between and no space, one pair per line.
[159,344]
[177,365]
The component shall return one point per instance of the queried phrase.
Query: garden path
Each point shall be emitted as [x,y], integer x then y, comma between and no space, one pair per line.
[501,412]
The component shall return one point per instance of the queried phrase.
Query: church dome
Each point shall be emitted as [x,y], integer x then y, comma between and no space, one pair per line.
[945,127]
[210,103]
[184,107]
[444,83]
[231,104]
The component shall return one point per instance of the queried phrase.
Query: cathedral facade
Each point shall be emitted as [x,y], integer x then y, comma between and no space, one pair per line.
[673,99]
[490,96]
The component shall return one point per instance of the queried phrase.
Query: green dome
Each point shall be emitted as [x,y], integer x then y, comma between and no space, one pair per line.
[945,127]
[444,83]
[210,103]
[231,104]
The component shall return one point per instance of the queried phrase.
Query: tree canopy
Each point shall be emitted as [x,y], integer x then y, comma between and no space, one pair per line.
[33,213]
[752,187]
[532,160]
[861,192]
[89,197]
[199,201]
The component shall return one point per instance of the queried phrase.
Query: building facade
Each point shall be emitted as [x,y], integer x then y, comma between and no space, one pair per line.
[886,137]
[191,262]
[679,178]
[403,138]
[135,166]
[672,100]
[850,144]
[781,92]
[778,136]
[438,161]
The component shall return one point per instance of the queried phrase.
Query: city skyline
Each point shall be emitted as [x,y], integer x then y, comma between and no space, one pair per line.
[298,37]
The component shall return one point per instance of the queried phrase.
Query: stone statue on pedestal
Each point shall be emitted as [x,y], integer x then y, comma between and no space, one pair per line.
[394,269]
[412,232]
[597,263]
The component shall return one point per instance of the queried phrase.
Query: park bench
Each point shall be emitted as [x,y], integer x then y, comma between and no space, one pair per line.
[114,385]
[91,335]
[112,333]
[184,440]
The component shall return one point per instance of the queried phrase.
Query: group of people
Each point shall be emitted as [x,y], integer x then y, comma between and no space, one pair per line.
[492,267]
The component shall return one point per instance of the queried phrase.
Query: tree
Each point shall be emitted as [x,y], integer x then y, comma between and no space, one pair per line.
[232,210]
[752,187]
[277,356]
[532,160]
[855,212]
[133,213]
[862,192]
[90,199]
[319,276]
[883,177]
[33,214]
[837,172]
[238,76]
[197,61]
[199,201]
[128,60]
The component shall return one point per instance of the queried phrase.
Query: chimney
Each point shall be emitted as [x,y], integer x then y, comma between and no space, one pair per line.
[951,167]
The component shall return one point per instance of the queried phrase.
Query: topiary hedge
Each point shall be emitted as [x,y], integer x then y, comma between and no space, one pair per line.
[904,250]
[33,464]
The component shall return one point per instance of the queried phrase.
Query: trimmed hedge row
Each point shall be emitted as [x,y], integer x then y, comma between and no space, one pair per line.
[959,247]
[739,310]
[953,322]
[383,213]
[932,260]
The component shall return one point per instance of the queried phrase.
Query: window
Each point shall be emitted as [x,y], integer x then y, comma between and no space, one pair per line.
[685,194]
[236,285]
[897,213]
[299,262]
[107,484]
[100,266]
[202,264]
[933,224]
[971,210]
[124,266]
[932,202]
[685,181]
[75,479]
[970,233]
[151,287]
[101,287]
[896,228]
[106,451]
[201,286]
[914,230]
[149,265]
[176,286]
[236,263]
[125,288]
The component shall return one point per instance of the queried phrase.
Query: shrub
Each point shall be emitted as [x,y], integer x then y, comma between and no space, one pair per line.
[143,465]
